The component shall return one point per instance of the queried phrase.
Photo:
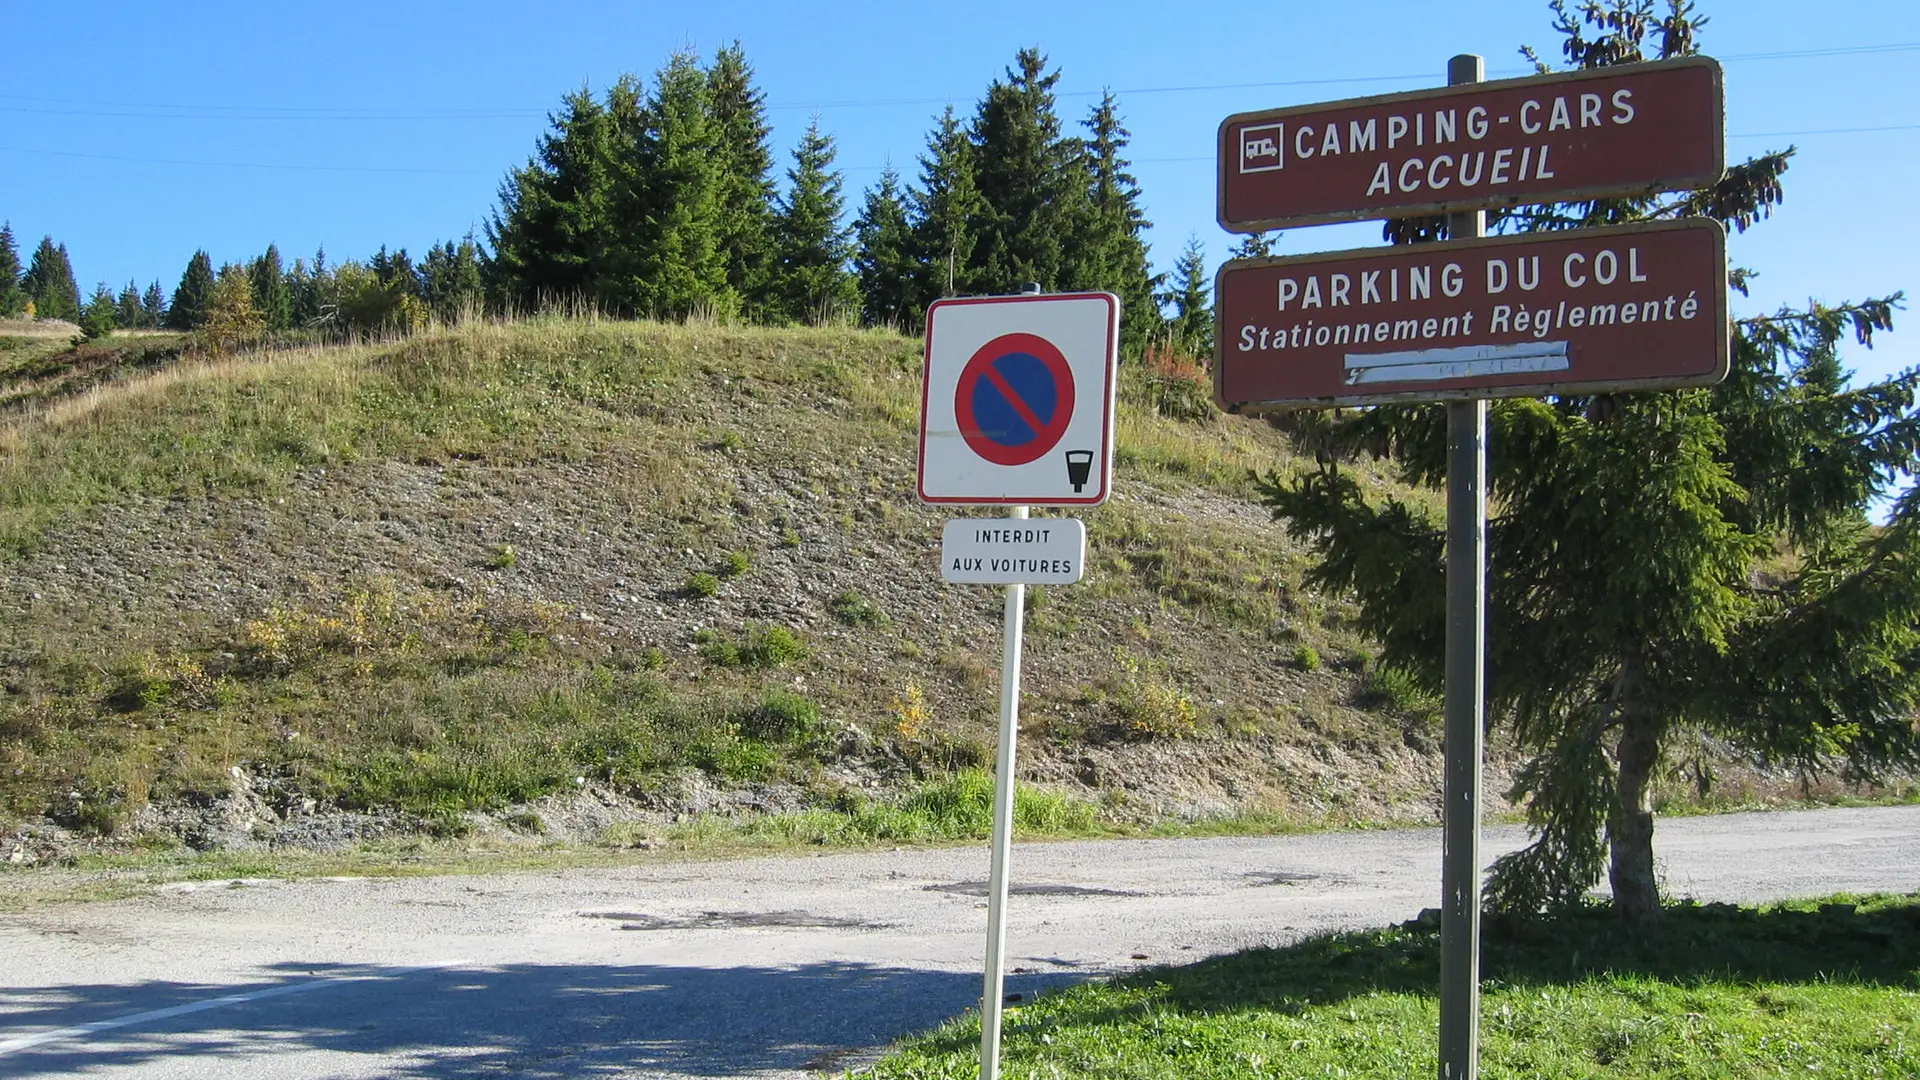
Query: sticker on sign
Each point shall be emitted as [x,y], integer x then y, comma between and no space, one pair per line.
[1017,405]
[1013,551]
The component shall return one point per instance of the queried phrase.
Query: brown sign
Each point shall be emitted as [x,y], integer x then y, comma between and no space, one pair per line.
[1631,308]
[1626,130]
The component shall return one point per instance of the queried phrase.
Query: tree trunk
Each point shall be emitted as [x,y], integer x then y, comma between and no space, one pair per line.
[1636,895]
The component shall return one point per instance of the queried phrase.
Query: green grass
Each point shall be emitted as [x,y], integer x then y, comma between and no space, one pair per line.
[1713,993]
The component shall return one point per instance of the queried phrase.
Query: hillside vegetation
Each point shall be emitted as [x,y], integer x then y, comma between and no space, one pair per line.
[608,580]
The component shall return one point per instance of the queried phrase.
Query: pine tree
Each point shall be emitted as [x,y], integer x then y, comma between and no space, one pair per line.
[1032,180]
[127,312]
[450,281]
[1254,246]
[190,300]
[811,248]
[884,257]
[947,213]
[1110,253]
[745,176]
[13,299]
[100,314]
[550,230]
[153,306]
[668,263]
[1191,326]
[49,283]
[270,296]
[1662,565]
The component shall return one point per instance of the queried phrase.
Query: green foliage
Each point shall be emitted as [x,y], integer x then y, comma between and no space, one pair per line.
[232,319]
[781,716]
[811,283]
[670,264]
[1190,330]
[1660,563]
[746,194]
[49,283]
[701,585]
[1109,252]
[947,209]
[194,297]
[128,314]
[1306,658]
[13,299]
[271,297]
[450,281]
[850,607]
[760,645]
[734,564]
[549,230]
[101,313]
[884,258]
[1032,180]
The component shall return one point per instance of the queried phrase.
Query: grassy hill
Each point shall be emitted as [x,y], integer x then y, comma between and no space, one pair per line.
[611,580]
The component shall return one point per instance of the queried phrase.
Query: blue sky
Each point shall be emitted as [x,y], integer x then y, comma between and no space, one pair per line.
[135,133]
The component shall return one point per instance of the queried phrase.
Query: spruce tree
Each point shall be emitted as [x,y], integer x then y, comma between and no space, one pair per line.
[1110,253]
[100,314]
[1664,567]
[1190,328]
[153,306]
[127,313]
[884,257]
[49,283]
[13,299]
[745,177]
[947,214]
[450,281]
[669,264]
[1032,180]
[550,230]
[270,296]
[190,300]
[811,248]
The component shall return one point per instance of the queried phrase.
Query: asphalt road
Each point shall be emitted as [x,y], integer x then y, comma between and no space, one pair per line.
[770,967]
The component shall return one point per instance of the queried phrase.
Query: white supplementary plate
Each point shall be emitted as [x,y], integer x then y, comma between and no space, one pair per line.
[1013,551]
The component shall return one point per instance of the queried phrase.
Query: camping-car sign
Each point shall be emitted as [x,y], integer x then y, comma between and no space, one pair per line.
[1626,130]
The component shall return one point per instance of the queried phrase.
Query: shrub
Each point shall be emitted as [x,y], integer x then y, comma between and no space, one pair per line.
[781,715]
[735,564]
[854,609]
[758,647]
[1306,658]
[702,585]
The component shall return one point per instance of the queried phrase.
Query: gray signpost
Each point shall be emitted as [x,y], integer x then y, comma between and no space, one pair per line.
[1635,307]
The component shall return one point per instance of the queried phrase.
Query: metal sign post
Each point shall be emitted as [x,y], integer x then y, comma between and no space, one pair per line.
[1466,698]
[1016,409]
[991,995]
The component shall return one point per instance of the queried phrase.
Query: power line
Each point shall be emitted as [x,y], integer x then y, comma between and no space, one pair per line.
[177,111]
[251,164]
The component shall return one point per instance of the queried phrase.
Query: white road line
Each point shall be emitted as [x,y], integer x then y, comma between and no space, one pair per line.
[27,1042]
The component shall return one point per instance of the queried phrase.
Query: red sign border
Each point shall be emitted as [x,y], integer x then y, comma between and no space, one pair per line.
[1109,390]
[1491,202]
[1720,313]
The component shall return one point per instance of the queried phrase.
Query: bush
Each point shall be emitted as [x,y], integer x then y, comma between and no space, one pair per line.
[735,564]
[855,610]
[758,647]
[1306,658]
[781,715]
[702,585]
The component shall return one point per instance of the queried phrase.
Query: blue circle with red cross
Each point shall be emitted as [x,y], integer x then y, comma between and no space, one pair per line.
[1015,399]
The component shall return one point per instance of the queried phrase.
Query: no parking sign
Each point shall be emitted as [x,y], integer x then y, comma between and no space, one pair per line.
[1018,401]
